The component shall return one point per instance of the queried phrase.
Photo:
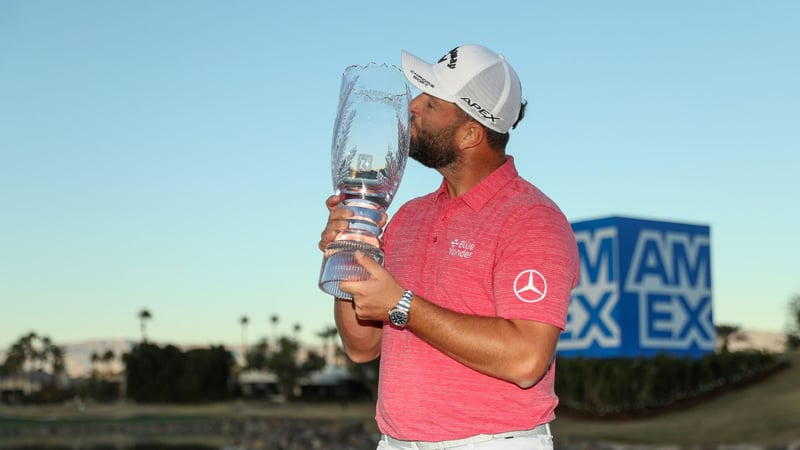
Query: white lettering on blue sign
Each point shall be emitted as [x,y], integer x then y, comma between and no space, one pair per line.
[596,253]
[671,274]
[590,317]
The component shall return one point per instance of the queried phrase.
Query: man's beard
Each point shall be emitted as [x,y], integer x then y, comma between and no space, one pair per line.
[434,150]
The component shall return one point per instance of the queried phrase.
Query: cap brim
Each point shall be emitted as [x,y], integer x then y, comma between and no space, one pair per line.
[421,74]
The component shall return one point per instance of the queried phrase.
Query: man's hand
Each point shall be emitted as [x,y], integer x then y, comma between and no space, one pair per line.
[337,220]
[374,297]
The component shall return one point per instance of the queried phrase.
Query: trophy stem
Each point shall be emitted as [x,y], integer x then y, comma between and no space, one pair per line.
[339,264]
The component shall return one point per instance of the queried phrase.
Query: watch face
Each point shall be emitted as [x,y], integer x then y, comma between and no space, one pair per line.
[398,317]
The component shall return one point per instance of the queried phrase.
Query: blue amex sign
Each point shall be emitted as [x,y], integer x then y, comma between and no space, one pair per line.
[644,289]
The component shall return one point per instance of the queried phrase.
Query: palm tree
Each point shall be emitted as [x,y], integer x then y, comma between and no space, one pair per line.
[15,359]
[297,327]
[58,364]
[43,354]
[29,356]
[34,352]
[724,335]
[328,335]
[244,320]
[95,359]
[275,319]
[144,316]
[793,328]
[108,358]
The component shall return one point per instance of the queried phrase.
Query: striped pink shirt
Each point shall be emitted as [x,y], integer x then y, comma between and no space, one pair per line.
[502,249]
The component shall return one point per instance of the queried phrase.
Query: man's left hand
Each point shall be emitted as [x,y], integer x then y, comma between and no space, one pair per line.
[373,297]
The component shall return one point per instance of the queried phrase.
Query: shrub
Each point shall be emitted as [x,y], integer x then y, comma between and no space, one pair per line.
[647,385]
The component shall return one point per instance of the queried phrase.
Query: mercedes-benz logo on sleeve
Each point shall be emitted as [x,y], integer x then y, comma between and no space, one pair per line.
[530,286]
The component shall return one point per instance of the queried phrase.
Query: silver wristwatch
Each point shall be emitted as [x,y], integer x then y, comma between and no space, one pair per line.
[398,316]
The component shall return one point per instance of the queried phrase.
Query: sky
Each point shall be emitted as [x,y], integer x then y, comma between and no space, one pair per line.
[174,156]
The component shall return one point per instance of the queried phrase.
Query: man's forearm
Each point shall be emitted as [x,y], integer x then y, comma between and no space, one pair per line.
[361,339]
[518,351]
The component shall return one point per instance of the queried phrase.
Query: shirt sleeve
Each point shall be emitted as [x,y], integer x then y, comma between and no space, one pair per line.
[536,267]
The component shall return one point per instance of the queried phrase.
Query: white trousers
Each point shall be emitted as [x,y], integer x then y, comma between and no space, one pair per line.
[537,439]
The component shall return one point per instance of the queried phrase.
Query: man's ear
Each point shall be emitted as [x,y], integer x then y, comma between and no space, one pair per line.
[470,134]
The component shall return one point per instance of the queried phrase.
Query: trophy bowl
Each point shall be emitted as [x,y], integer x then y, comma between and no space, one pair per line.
[369,151]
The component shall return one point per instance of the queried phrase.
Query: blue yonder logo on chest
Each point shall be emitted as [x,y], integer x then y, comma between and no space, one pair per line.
[461,248]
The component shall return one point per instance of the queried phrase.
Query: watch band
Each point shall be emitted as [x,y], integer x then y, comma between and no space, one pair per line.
[405,301]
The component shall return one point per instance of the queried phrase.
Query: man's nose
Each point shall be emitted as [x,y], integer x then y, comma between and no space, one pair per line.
[413,105]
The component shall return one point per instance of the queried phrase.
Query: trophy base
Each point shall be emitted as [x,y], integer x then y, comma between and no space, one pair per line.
[340,265]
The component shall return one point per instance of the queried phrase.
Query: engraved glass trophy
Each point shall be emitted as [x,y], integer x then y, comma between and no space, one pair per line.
[368,156]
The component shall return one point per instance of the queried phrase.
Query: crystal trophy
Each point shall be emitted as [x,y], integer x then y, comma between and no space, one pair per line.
[368,156]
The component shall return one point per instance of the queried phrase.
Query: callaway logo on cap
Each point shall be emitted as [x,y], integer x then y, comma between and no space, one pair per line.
[473,77]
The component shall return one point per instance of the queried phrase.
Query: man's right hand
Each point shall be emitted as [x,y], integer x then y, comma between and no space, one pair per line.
[337,220]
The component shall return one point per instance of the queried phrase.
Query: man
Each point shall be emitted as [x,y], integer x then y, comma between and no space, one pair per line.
[467,312]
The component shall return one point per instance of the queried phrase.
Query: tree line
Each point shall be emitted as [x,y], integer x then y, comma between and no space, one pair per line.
[33,352]
[154,373]
[640,386]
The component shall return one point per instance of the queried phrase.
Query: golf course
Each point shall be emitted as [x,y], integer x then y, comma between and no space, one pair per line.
[763,415]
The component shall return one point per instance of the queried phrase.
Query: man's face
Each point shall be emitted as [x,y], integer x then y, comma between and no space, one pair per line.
[433,130]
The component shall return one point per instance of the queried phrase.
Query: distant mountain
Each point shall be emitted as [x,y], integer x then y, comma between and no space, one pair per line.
[768,341]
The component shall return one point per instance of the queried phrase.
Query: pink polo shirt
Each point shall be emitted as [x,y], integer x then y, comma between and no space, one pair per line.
[502,249]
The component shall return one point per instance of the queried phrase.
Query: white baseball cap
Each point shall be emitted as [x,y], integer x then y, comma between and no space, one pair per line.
[473,77]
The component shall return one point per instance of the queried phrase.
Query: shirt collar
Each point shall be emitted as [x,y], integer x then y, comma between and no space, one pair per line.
[480,194]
